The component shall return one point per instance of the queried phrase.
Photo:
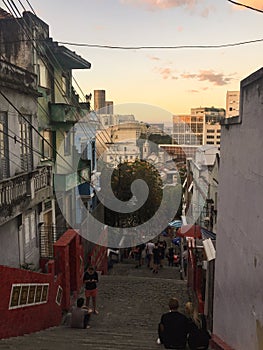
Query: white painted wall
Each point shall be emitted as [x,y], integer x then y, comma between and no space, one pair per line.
[238,299]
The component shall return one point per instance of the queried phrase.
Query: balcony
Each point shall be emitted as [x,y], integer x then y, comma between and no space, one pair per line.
[64,113]
[22,191]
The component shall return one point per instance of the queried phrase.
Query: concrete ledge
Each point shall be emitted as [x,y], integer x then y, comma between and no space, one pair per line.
[218,344]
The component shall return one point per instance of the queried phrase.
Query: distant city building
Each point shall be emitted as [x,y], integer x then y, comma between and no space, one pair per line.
[107,120]
[99,100]
[200,127]
[178,152]
[101,106]
[121,152]
[156,128]
[212,134]
[232,104]
[117,133]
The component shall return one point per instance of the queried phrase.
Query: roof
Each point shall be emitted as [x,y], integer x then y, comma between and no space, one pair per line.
[67,58]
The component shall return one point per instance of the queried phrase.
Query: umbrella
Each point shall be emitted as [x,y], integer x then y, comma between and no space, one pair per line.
[193,231]
[175,223]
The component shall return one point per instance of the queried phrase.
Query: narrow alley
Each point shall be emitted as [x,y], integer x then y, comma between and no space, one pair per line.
[130,304]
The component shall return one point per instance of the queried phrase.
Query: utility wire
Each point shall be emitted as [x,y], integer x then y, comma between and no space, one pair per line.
[219,46]
[246,6]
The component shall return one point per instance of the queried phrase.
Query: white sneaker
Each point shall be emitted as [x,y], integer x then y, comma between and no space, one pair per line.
[158,341]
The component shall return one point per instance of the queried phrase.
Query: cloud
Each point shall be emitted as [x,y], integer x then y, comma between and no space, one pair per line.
[163,4]
[217,79]
[193,91]
[165,72]
[154,58]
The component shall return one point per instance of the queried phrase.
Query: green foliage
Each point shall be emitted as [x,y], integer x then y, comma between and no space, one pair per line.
[121,181]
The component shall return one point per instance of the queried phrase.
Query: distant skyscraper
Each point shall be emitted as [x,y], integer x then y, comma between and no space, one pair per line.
[108,107]
[99,101]
[232,104]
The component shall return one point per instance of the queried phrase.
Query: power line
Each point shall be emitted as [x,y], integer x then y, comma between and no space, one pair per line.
[246,6]
[219,46]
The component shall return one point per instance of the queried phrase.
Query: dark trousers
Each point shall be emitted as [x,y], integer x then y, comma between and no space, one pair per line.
[86,320]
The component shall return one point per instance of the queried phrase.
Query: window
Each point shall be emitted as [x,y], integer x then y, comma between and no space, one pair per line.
[4,161]
[65,84]
[67,143]
[46,148]
[210,131]
[26,147]
[43,80]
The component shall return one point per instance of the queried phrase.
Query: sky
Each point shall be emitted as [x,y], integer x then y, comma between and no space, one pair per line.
[172,80]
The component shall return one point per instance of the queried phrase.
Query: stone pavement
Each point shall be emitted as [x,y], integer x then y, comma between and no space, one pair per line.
[130,303]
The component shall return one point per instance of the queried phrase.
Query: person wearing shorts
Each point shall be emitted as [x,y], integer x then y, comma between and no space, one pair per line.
[91,279]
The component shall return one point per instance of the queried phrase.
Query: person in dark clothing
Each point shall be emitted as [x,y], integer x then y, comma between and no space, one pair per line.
[198,338]
[91,279]
[170,256]
[173,327]
[156,258]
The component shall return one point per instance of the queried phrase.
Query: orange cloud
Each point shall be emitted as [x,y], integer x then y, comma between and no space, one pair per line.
[163,4]
[166,72]
[217,79]
[154,58]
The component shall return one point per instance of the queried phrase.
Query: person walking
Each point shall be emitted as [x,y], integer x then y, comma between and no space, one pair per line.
[173,327]
[149,254]
[170,256]
[156,258]
[198,338]
[91,279]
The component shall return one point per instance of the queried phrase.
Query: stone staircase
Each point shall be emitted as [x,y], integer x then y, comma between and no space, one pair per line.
[130,304]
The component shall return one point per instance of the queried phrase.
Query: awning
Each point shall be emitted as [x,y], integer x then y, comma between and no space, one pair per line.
[193,231]
[207,234]
[175,223]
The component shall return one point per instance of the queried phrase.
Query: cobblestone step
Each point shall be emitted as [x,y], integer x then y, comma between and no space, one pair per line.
[130,304]
[69,339]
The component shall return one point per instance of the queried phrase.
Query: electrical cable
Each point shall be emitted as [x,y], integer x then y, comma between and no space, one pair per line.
[219,46]
[246,6]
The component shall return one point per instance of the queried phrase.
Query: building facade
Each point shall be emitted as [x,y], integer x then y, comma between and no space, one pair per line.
[232,104]
[238,312]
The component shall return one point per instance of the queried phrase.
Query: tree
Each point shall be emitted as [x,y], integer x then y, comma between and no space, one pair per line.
[121,181]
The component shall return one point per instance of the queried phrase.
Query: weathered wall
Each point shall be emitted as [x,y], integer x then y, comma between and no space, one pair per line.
[9,246]
[238,312]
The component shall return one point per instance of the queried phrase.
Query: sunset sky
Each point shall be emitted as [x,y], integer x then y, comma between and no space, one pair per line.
[171,79]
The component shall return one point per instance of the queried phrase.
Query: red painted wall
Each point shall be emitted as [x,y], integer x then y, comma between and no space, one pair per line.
[68,254]
[66,270]
[27,319]
[218,344]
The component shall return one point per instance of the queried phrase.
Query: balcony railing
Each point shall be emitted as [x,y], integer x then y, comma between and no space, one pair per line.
[48,235]
[63,113]
[21,189]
